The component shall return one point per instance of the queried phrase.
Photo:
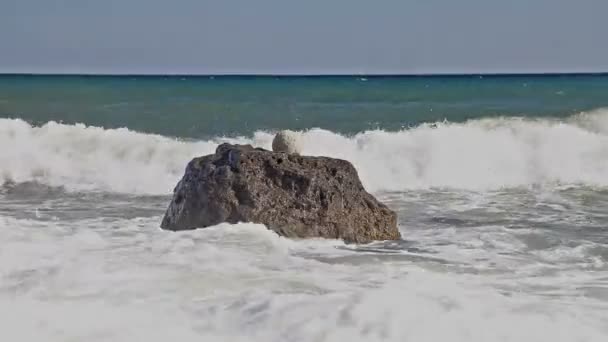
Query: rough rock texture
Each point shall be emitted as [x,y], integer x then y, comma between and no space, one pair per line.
[296,196]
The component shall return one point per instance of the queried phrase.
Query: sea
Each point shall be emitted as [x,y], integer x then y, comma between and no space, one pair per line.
[500,184]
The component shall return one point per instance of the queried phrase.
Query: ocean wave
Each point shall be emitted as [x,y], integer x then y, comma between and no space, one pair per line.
[481,154]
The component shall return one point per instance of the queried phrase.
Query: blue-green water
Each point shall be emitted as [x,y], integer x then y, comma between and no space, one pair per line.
[202,107]
[500,185]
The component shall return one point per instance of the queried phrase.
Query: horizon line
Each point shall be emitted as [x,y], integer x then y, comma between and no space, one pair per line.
[312,75]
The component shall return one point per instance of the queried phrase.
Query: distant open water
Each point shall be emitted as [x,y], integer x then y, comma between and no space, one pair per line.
[500,184]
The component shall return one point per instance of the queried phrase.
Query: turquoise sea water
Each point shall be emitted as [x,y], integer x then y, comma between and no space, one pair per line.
[199,107]
[500,185]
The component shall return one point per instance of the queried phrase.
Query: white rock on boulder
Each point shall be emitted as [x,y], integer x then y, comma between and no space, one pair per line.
[287,141]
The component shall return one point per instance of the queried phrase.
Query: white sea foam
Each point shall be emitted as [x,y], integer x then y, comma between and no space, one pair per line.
[86,281]
[91,158]
[479,154]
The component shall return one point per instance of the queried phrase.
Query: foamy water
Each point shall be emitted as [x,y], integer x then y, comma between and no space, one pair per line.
[480,154]
[124,280]
[504,225]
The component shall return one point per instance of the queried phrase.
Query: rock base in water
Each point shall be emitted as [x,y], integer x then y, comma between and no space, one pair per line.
[296,196]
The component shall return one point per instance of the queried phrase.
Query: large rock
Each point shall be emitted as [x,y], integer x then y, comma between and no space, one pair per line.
[296,196]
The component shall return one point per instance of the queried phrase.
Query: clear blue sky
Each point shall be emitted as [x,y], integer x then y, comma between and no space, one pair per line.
[312,36]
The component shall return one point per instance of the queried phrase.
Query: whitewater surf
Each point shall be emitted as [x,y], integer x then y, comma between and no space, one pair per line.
[475,155]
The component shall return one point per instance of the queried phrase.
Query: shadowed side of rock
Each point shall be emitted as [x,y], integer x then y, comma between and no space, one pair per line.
[296,196]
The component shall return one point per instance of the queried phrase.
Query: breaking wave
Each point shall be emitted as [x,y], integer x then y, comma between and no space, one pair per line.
[481,154]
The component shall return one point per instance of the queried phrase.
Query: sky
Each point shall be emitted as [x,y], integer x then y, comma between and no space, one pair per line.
[303,37]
